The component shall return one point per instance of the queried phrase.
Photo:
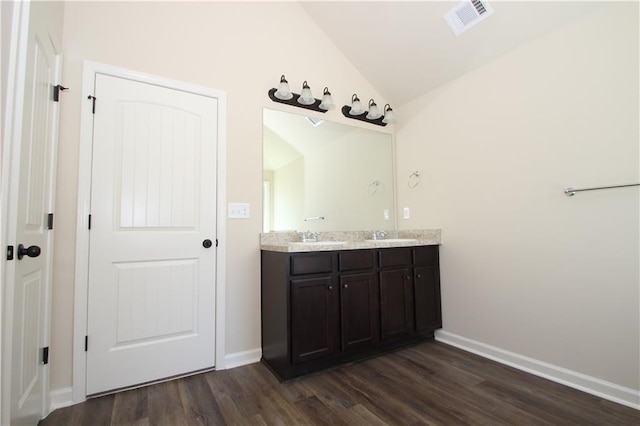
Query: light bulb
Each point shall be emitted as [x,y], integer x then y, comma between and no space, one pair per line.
[283,91]
[374,113]
[306,98]
[389,117]
[356,106]
[327,100]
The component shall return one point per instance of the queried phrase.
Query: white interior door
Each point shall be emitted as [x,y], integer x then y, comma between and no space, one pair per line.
[30,271]
[151,302]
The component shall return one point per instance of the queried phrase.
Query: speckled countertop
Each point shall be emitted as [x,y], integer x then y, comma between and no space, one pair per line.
[326,241]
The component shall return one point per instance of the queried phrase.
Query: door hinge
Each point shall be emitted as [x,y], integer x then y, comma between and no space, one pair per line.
[50,221]
[89,222]
[86,343]
[45,355]
[93,100]
[9,252]
[56,92]
[216,242]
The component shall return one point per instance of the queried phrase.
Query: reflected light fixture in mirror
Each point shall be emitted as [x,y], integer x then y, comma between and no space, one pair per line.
[373,116]
[305,99]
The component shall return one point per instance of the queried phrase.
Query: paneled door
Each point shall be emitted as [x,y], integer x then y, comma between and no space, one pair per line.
[30,269]
[151,301]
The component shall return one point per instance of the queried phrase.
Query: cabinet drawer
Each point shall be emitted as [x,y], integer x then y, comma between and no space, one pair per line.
[427,255]
[354,260]
[395,257]
[311,264]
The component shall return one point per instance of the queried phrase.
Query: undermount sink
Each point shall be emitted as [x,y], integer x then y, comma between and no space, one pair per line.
[393,240]
[319,243]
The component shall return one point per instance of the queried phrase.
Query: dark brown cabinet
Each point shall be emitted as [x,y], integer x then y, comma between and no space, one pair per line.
[320,309]
[396,302]
[426,292]
[358,310]
[314,319]
[427,298]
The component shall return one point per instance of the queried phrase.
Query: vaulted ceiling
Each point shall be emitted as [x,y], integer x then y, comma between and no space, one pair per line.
[406,49]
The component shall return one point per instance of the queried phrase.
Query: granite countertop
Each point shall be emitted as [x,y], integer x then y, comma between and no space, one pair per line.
[328,241]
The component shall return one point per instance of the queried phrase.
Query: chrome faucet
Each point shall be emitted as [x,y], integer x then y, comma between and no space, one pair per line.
[309,236]
[379,235]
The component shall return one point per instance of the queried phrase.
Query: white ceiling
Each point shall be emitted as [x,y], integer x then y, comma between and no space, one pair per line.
[406,49]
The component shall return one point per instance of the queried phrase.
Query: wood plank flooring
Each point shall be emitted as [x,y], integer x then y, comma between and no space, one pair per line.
[428,384]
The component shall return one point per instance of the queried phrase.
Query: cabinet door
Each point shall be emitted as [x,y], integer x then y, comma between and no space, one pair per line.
[427,297]
[314,318]
[396,302]
[359,310]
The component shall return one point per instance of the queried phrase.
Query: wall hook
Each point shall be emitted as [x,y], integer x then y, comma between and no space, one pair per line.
[374,187]
[414,179]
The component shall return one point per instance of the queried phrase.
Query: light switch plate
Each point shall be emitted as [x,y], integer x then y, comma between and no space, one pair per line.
[406,213]
[239,211]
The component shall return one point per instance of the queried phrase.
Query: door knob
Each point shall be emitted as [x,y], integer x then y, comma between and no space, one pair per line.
[31,251]
[207,243]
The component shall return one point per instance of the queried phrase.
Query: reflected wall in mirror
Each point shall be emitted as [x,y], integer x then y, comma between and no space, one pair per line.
[325,176]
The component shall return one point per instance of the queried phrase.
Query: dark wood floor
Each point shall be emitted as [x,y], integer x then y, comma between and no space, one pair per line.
[431,384]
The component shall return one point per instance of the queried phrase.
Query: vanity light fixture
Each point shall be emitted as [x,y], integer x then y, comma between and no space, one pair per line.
[283,92]
[389,117]
[373,116]
[374,113]
[304,100]
[356,106]
[327,100]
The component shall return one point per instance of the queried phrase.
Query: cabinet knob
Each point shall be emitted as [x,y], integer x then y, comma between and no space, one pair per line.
[408,277]
[346,286]
[330,287]
[419,275]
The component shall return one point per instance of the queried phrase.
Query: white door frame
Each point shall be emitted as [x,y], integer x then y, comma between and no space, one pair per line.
[90,70]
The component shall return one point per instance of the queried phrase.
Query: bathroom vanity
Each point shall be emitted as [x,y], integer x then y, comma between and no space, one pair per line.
[325,304]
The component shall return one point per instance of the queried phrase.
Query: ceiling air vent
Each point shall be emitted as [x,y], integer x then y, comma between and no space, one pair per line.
[467,14]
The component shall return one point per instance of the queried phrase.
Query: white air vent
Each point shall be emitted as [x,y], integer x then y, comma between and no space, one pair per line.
[467,14]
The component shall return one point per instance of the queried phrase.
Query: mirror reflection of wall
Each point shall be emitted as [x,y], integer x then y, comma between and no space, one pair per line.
[337,177]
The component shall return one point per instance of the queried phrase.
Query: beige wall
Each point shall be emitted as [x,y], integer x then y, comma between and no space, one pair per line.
[288,196]
[241,48]
[525,268]
[339,184]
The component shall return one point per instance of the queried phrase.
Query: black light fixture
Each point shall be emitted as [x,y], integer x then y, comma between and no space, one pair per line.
[304,100]
[373,116]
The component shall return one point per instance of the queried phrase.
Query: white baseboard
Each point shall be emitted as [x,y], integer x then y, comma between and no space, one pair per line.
[238,359]
[601,388]
[60,398]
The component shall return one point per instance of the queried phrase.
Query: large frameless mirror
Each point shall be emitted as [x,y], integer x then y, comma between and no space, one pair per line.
[325,176]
